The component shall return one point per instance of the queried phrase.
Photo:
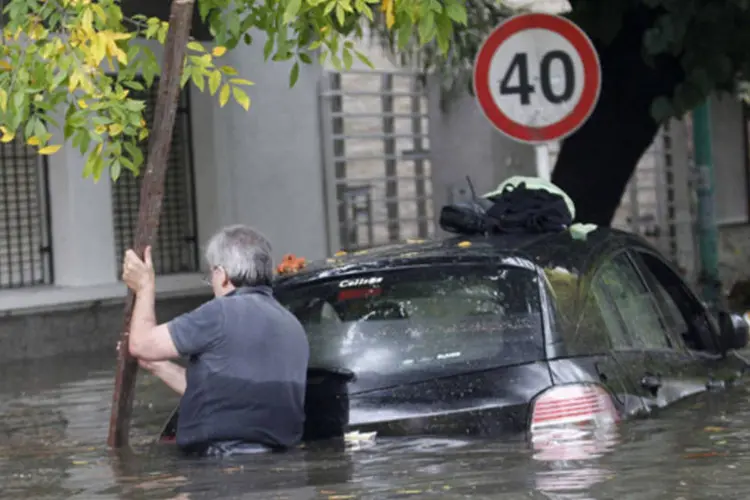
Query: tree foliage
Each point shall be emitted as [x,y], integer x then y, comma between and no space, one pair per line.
[454,59]
[72,64]
[710,39]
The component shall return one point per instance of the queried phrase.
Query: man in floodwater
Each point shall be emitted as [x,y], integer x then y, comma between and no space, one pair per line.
[244,387]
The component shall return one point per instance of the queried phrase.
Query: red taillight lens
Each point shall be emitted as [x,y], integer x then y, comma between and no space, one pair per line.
[574,404]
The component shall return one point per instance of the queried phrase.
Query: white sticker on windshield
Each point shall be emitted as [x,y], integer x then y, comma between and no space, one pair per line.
[361,282]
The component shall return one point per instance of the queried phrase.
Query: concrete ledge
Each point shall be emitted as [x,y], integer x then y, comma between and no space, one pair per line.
[85,328]
[50,321]
[57,298]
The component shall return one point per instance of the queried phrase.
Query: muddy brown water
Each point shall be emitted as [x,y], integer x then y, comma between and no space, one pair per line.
[53,427]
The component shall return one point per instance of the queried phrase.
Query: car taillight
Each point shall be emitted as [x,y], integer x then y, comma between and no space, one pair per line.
[573,405]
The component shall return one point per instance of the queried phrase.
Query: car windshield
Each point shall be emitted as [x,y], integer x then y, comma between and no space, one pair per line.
[421,318]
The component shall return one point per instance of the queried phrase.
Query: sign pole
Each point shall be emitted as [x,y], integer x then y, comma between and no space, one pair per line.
[543,168]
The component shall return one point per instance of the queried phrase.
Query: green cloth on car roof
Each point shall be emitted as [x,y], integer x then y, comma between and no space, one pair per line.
[534,183]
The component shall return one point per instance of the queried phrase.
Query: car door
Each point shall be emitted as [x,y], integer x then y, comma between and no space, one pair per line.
[587,338]
[689,320]
[661,367]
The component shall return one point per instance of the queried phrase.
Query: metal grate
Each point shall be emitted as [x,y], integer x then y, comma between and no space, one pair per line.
[25,249]
[376,154]
[176,246]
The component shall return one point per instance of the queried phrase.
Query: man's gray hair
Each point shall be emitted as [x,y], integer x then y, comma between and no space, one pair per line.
[244,253]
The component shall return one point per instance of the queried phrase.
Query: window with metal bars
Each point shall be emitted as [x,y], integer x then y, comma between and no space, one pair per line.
[25,232]
[176,248]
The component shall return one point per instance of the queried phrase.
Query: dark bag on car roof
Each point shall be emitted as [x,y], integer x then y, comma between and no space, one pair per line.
[465,218]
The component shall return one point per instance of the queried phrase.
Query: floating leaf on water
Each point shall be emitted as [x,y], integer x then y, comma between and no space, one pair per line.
[340,497]
[714,429]
[80,462]
[464,244]
[409,492]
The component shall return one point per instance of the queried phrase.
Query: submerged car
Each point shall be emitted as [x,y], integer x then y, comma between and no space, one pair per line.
[503,334]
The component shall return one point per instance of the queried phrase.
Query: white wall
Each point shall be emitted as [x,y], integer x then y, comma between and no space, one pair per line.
[463,142]
[730,161]
[263,167]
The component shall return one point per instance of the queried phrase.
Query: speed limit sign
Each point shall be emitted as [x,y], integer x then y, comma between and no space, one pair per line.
[537,78]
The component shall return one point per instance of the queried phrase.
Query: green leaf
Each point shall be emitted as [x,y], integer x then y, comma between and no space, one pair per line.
[347,59]
[340,14]
[88,166]
[363,58]
[198,79]
[135,153]
[224,95]
[241,81]
[294,74]
[292,8]
[268,48]
[133,85]
[336,62]
[214,80]
[196,46]
[186,74]
[241,97]
[114,170]
[456,11]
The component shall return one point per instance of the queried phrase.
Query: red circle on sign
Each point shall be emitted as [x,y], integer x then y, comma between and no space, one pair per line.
[591,82]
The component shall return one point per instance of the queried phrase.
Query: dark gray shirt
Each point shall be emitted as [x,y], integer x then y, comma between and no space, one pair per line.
[247,371]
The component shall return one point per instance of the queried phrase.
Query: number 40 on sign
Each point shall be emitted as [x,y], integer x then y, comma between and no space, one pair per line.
[537,78]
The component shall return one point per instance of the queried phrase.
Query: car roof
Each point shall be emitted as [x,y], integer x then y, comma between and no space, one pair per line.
[548,250]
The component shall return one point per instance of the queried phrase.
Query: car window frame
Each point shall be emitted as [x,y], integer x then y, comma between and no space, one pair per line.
[696,305]
[491,265]
[674,345]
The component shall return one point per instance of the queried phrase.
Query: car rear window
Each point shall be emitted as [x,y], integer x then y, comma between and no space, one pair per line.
[421,318]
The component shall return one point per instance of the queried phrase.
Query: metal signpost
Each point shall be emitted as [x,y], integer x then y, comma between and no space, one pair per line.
[537,78]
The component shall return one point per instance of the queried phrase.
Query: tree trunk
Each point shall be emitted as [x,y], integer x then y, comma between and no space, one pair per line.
[596,163]
[152,192]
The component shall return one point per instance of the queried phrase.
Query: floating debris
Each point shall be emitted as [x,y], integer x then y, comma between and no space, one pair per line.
[714,429]
[357,439]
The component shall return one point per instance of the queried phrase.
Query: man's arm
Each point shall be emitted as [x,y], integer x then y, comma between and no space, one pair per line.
[186,335]
[191,333]
[169,372]
[147,340]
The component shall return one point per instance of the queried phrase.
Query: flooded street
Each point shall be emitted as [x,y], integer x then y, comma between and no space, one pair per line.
[53,427]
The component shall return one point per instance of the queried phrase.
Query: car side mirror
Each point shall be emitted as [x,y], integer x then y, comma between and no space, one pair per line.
[735,331]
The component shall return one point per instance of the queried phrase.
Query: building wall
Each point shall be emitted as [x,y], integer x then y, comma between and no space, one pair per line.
[732,177]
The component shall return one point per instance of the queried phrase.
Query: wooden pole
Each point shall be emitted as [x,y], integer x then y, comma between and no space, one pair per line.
[152,192]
